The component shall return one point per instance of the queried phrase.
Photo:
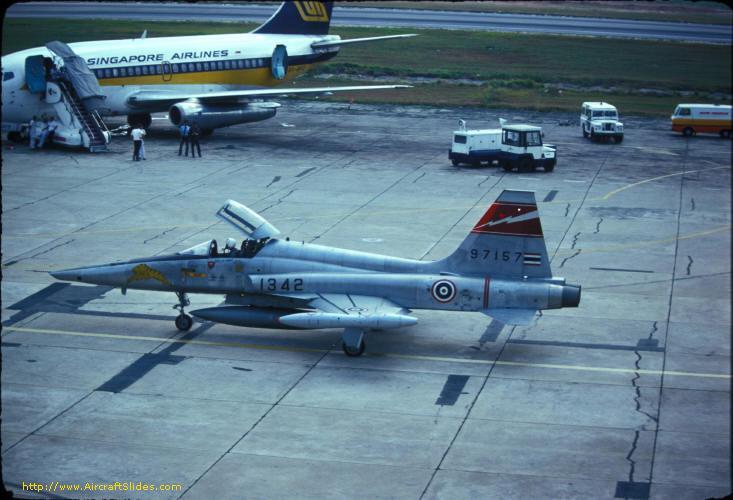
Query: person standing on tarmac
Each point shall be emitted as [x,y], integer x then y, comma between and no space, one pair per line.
[32,132]
[184,129]
[193,137]
[137,140]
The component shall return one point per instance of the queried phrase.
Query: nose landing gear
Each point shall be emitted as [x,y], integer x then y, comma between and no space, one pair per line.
[184,322]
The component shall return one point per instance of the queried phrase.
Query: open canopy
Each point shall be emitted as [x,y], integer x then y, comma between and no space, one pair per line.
[247,221]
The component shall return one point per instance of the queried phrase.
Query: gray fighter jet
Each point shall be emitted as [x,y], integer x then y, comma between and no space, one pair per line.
[500,269]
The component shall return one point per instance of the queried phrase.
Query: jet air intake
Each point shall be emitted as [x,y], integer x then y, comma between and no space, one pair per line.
[211,116]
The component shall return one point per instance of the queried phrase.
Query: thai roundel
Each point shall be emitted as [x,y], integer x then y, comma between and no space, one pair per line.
[443,291]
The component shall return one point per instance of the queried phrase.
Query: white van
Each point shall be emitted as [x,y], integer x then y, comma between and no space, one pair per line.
[691,119]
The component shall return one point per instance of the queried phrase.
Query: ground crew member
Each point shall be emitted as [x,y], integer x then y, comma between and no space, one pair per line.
[184,129]
[137,140]
[193,135]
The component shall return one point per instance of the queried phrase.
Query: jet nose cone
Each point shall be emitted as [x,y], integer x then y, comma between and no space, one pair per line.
[68,275]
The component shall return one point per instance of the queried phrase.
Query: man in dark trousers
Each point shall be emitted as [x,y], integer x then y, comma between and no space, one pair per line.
[193,136]
[184,129]
[137,139]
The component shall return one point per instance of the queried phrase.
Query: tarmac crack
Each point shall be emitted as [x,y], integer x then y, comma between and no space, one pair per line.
[577,252]
[575,240]
[637,389]
[280,200]
[632,462]
[692,203]
[567,210]
[598,226]
[689,264]
[159,235]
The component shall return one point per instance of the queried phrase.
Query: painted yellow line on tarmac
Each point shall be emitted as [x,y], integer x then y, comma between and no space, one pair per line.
[684,172]
[386,355]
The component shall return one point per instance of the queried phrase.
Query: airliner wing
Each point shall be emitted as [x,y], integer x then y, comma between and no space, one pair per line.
[147,98]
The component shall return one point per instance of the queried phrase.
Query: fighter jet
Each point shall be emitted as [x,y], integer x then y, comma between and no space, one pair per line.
[500,269]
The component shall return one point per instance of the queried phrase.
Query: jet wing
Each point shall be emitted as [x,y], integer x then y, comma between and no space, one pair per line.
[147,98]
[351,311]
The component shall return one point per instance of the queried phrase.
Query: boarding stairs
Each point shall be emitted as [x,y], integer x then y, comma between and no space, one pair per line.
[94,132]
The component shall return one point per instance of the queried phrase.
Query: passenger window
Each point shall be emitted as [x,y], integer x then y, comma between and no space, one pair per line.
[175,68]
[137,70]
[534,139]
[198,66]
[145,70]
[220,64]
[459,139]
[206,66]
[8,75]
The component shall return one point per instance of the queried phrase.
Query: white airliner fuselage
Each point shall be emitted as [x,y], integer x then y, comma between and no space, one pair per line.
[217,80]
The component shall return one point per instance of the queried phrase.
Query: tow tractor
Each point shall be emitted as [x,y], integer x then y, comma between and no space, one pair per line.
[511,146]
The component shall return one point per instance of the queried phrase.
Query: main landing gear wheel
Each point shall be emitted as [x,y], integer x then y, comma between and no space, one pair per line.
[352,352]
[184,322]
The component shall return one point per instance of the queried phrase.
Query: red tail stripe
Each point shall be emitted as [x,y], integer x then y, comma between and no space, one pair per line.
[498,219]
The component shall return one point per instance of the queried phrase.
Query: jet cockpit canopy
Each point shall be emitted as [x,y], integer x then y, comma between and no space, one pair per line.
[251,224]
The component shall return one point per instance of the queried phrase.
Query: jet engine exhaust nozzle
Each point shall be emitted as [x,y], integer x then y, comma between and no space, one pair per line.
[570,295]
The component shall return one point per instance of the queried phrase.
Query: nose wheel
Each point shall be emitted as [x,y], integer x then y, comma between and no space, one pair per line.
[352,342]
[184,322]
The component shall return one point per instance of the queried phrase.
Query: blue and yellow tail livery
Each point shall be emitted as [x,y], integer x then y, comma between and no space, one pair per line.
[299,18]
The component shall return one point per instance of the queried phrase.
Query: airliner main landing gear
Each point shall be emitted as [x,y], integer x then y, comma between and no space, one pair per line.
[184,322]
[352,342]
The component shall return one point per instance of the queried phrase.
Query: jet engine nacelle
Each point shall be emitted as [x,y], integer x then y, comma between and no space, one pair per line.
[211,116]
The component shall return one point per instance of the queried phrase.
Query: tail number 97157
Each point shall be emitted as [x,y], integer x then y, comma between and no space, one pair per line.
[502,255]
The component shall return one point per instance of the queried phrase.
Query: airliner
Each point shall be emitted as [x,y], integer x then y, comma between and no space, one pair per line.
[213,80]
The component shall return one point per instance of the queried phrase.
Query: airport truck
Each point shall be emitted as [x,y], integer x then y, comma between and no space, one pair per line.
[599,120]
[691,119]
[511,146]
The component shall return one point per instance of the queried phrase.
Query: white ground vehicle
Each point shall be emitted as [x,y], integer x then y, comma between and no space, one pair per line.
[512,146]
[599,120]
[691,119]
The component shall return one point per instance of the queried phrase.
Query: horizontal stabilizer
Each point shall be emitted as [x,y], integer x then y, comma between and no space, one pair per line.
[337,43]
[518,317]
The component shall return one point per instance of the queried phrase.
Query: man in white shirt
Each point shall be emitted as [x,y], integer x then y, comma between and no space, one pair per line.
[137,139]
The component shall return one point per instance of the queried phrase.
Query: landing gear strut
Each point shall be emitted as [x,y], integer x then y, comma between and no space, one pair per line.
[184,322]
[352,342]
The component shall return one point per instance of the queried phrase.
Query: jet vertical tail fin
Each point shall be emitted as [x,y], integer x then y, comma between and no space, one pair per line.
[506,241]
[299,18]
